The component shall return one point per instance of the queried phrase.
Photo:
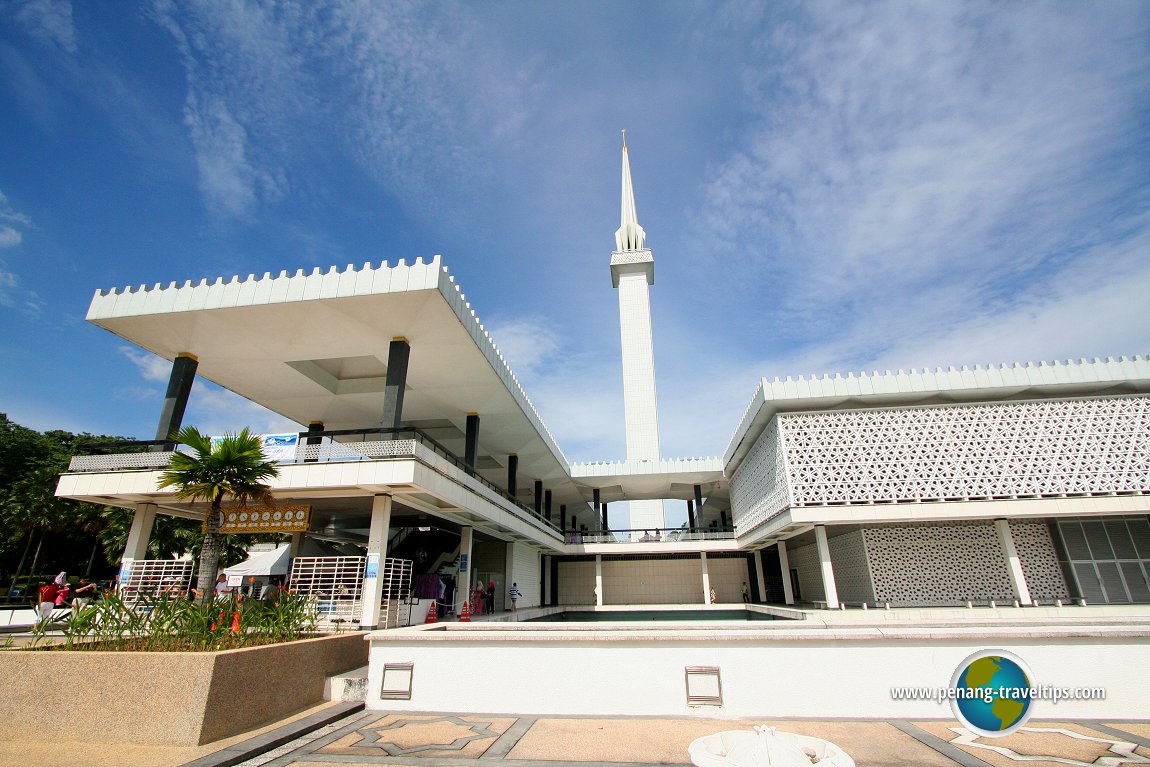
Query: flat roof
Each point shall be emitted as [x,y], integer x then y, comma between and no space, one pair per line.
[1125,375]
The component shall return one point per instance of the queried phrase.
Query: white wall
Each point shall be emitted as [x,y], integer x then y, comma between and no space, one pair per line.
[833,676]
[525,573]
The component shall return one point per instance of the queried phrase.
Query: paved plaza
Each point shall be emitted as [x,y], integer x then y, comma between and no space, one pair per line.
[473,740]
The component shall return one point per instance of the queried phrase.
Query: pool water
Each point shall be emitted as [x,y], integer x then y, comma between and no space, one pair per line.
[613,616]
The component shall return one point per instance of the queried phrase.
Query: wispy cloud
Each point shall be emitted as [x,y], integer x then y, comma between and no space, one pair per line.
[49,21]
[151,366]
[12,293]
[397,86]
[915,169]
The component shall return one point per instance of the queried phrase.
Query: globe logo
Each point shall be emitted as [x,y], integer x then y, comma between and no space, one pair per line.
[992,692]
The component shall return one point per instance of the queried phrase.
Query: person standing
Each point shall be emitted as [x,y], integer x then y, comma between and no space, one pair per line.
[222,587]
[85,593]
[514,594]
[47,596]
[746,594]
[490,597]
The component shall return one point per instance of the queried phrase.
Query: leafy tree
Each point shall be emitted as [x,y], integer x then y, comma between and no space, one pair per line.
[233,467]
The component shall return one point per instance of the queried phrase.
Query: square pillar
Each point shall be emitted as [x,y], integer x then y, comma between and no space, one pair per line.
[508,575]
[512,479]
[376,553]
[785,567]
[1013,563]
[595,505]
[176,397]
[830,590]
[295,545]
[539,498]
[547,504]
[598,580]
[761,577]
[471,441]
[315,427]
[141,532]
[466,568]
[706,578]
[398,355]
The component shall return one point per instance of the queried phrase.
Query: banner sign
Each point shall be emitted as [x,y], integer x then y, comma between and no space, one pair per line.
[372,569]
[275,447]
[266,519]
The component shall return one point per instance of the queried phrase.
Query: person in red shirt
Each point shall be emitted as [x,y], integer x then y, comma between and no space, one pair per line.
[48,594]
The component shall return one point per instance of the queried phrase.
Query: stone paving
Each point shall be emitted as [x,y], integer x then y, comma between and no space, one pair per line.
[473,740]
[470,740]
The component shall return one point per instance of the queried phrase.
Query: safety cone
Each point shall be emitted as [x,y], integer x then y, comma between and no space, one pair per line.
[432,617]
[465,613]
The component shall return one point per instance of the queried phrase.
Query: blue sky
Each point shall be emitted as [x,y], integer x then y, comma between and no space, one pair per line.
[826,187]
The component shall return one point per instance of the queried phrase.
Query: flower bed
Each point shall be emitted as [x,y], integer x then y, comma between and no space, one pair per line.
[171,698]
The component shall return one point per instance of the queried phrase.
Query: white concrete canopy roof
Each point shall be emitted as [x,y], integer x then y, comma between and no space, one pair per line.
[934,387]
[314,347]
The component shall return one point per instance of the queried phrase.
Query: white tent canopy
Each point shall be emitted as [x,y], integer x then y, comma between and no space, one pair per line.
[274,562]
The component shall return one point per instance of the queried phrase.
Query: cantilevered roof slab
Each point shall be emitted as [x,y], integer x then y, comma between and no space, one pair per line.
[1084,378]
[314,347]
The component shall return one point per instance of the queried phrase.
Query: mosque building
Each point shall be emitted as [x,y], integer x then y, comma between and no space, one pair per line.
[1025,483]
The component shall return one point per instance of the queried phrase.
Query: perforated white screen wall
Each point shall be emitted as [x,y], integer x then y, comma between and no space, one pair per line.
[962,452]
[759,486]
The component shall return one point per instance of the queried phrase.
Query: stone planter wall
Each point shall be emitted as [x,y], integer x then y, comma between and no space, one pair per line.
[170,698]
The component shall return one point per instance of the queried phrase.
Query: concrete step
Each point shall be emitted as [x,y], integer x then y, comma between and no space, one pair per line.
[349,687]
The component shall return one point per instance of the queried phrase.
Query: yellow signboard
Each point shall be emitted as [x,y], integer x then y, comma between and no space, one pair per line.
[266,519]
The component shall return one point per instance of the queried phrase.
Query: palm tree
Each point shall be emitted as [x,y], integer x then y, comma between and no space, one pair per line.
[233,467]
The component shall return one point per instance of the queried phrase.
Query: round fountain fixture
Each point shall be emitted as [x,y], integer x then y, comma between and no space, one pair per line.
[765,747]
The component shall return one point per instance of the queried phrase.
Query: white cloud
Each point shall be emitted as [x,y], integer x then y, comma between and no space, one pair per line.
[9,237]
[916,169]
[217,411]
[50,21]
[151,366]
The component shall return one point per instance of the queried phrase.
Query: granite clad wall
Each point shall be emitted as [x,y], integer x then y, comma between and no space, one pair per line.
[171,698]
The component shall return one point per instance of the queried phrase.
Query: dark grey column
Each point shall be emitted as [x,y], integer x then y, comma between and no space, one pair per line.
[691,516]
[547,505]
[471,447]
[699,505]
[176,398]
[723,522]
[606,527]
[595,503]
[563,516]
[398,354]
[312,428]
[512,480]
[539,497]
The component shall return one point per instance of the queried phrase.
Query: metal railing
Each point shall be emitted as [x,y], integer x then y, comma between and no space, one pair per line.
[647,535]
[313,447]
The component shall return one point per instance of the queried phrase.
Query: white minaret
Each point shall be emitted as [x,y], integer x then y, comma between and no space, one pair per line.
[632,271]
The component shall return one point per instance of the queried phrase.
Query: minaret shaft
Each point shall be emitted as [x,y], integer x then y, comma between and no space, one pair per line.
[633,272]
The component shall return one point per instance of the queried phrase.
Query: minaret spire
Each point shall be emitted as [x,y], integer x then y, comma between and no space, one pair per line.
[630,236]
[633,273]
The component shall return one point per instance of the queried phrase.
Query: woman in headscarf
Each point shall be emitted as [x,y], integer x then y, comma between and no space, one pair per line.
[61,579]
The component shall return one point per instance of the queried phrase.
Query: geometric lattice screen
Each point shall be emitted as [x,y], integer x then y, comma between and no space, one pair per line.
[963,452]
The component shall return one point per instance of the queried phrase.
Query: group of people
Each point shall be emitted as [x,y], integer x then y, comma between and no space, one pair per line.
[58,592]
[268,592]
[483,599]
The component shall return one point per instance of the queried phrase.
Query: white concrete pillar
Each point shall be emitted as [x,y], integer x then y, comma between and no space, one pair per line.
[508,575]
[830,590]
[296,545]
[760,576]
[706,578]
[1013,563]
[785,567]
[376,553]
[140,532]
[466,568]
[598,580]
